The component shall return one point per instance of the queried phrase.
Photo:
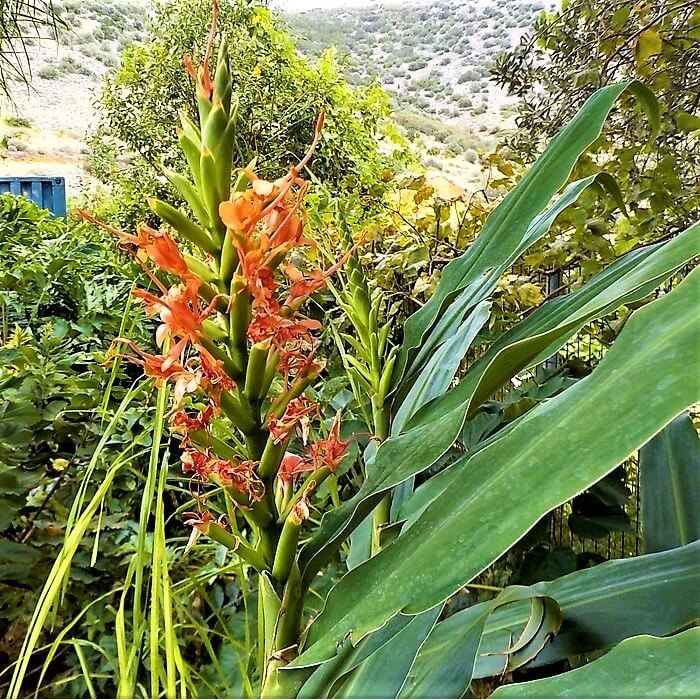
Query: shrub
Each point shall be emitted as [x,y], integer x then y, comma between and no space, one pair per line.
[49,72]
[63,292]
[18,122]
[69,64]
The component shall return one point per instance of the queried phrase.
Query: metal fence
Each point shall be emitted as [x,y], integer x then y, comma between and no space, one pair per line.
[587,347]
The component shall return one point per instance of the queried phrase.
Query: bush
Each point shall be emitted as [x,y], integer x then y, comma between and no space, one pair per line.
[63,293]
[417,64]
[69,64]
[49,72]
[18,122]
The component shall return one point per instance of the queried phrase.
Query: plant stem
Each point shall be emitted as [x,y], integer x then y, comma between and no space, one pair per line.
[235,544]
[380,518]
[279,684]
[382,513]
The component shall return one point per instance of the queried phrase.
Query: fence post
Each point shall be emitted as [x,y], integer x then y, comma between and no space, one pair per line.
[554,284]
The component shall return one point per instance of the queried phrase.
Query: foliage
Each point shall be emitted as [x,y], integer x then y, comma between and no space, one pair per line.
[62,298]
[572,52]
[278,96]
[425,501]
[428,57]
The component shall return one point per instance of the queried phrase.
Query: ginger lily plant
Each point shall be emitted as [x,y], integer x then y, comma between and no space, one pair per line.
[239,353]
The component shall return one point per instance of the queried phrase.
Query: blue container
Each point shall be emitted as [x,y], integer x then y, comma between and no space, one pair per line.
[47,192]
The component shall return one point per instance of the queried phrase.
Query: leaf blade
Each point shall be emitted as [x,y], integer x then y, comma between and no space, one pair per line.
[639,667]
[464,529]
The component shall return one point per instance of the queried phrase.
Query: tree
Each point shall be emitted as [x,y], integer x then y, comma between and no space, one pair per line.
[590,43]
[279,96]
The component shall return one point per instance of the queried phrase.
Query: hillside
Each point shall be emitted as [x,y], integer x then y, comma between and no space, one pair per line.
[45,128]
[433,57]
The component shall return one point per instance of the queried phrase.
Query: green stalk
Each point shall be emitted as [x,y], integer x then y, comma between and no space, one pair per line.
[316,478]
[183,224]
[237,413]
[287,547]
[256,371]
[279,405]
[231,367]
[277,683]
[380,518]
[229,262]
[382,513]
[271,458]
[203,440]
[240,316]
[269,605]
[236,544]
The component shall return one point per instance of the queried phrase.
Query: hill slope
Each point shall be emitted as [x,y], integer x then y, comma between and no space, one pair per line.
[434,57]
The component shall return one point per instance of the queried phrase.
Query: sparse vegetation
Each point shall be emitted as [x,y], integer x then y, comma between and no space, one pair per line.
[18,122]
[413,49]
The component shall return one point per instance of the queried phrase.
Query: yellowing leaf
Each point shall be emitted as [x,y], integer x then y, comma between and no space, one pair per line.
[447,190]
[647,45]
[422,194]
[530,294]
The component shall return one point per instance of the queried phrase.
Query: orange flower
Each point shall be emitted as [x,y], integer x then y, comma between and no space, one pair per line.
[303,287]
[156,245]
[160,367]
[293,465]
[199,521]
[241,477]
[272,202]
[330,451]
[214,379]
[243,211]
[281,330]
[164,252]
[259,279]
[181,314]
[184,423]
[198,463]
[296,415]
[202,76]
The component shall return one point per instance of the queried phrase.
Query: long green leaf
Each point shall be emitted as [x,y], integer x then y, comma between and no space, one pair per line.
[383,674]
[349,657]
[445,670]
[506,227]
[669,467]
[438,372]
[436,427]
[601,606]
[640,667]
[508,486]
[483,285]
